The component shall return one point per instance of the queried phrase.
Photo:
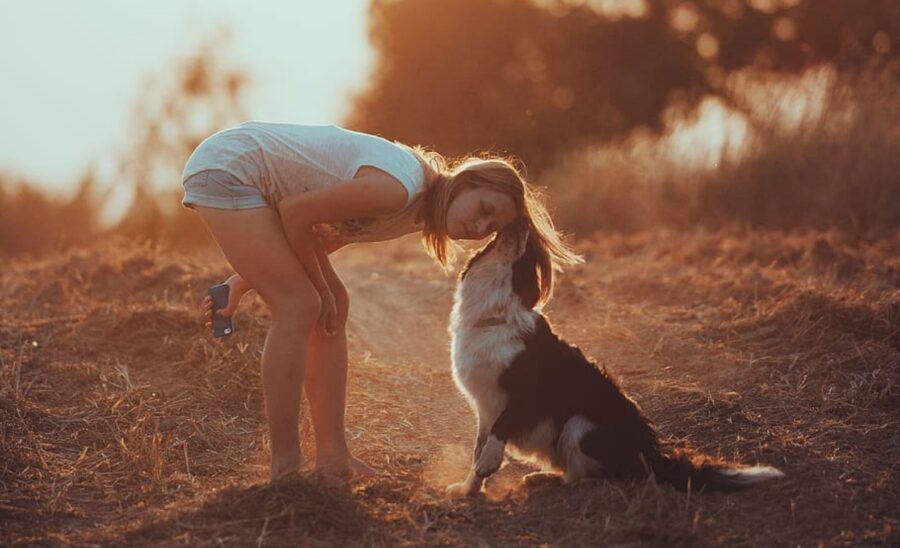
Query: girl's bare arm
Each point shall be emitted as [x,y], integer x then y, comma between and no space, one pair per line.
[242,286]
[375,193]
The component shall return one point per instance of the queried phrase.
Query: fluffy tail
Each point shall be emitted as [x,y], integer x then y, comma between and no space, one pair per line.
[682,470]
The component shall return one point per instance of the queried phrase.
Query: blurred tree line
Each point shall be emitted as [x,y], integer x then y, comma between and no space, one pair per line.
[200,94]
[537,79]
[534,78]
[171,117]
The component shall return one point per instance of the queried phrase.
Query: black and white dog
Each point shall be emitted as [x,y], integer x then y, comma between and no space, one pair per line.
[541,397]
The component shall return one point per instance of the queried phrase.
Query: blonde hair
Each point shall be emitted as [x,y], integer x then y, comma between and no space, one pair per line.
[443,182]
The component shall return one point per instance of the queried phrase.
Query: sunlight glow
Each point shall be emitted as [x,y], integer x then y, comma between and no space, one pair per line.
[794,102]
[73,70]
[613,9]
[714,134]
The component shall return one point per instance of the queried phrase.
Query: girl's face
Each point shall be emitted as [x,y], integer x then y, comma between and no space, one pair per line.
[476,213]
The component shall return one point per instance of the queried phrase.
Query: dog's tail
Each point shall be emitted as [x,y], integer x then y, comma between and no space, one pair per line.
[684,469]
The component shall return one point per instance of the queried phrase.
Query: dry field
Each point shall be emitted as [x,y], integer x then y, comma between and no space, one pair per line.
[123,423]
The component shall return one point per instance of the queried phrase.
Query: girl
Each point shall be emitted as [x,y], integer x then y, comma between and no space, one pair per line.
[278,198]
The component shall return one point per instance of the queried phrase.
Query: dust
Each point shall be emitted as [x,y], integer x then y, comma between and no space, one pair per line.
[450,464]
[121,420]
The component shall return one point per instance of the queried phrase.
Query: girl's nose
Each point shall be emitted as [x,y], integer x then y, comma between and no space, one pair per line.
[481,226]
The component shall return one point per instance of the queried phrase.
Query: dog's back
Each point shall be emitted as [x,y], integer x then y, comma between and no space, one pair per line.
[563,384]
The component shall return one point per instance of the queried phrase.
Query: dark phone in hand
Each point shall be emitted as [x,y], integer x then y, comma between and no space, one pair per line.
[221,326]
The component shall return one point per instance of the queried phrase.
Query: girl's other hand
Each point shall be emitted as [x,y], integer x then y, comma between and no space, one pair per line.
[331,244]
[328,317]
[237,287]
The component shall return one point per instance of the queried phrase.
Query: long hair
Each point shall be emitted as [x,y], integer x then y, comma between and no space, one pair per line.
[443,181]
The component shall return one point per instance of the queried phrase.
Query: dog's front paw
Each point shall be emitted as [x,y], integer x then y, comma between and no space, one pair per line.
[491,457]
[463,489]
[539,479]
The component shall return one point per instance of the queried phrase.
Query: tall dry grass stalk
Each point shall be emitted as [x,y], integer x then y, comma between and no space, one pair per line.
[196,96]
[815,151]
[821,151]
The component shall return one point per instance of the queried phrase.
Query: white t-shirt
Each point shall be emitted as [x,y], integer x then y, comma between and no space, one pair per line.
[285,159]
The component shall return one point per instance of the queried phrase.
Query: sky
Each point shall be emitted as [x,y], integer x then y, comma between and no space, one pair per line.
[72,70]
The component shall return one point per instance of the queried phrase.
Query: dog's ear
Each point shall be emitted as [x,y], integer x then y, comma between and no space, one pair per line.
[523,234]
[525,274]
[517,234]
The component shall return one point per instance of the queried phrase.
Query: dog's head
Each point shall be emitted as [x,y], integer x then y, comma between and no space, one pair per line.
[510,260]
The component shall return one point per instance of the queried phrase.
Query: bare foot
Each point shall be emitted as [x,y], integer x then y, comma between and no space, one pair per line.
[350,468]
[464,489]
[280,471]
[360,469]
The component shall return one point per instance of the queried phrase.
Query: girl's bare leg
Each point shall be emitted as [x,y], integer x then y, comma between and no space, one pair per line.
[326,388]
[254,243]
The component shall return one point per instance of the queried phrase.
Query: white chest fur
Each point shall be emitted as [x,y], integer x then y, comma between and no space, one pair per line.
[480,353]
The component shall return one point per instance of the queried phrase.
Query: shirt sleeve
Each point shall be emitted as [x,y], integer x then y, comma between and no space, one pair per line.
[399,164]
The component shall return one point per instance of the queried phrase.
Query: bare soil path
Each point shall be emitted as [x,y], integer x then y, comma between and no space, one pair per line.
[122,421]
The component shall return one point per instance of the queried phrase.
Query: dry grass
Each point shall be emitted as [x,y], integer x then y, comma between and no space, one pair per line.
[823,152]
[122,422]
[815,151]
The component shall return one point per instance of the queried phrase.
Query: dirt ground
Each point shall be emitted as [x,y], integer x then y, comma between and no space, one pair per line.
[123,422]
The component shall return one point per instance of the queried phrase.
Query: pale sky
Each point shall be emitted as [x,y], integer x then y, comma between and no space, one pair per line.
[71,70]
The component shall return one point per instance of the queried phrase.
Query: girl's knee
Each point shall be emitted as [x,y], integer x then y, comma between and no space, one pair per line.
[300,311]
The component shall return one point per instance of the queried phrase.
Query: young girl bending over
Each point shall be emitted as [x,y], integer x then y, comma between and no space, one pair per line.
[278,198]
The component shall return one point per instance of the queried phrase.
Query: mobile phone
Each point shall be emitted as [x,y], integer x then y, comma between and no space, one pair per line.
[221,326]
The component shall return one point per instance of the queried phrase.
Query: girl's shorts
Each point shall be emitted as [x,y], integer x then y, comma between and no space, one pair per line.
[221,190]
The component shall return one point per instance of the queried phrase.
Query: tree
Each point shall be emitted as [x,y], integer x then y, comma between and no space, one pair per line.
[535,78]
[172,117]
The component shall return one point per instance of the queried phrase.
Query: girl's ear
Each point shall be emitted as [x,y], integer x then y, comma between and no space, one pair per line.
[525,276]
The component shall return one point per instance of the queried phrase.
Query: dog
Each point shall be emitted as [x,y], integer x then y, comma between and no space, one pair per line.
[540,397]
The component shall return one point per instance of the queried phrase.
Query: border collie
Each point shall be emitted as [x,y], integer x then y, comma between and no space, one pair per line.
[542,398]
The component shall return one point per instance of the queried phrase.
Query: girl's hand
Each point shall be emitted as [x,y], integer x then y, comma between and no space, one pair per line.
[331,244]
[237,287]
[328,317]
